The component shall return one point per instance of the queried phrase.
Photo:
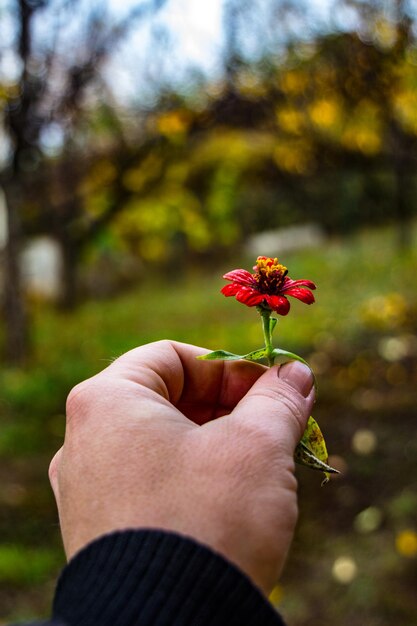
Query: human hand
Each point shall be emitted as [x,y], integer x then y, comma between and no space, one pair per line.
[203,448]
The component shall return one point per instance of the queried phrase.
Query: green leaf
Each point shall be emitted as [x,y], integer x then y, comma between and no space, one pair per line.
[272,323]
[224,355]
[220,355]
[312,452]
[256,355]
[282,356]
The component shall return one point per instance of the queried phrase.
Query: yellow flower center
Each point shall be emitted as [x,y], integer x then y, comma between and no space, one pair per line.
[269,274]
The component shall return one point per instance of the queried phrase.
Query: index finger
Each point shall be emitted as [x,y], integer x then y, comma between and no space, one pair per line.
[202,390]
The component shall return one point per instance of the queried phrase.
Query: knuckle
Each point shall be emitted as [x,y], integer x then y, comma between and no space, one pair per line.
[54,467]
[81,397]
[75,397]
[163,343]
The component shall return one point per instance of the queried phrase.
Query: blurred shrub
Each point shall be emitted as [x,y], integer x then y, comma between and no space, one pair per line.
[25,566]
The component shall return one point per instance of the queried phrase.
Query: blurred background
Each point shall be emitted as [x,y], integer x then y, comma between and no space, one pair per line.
[146,147]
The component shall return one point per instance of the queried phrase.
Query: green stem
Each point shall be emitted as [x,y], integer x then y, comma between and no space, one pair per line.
[266,327]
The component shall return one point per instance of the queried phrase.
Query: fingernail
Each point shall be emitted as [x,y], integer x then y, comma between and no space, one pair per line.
[297,375]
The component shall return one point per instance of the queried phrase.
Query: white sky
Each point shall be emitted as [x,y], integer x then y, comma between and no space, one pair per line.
[192,31]
[183,34]
[194,38]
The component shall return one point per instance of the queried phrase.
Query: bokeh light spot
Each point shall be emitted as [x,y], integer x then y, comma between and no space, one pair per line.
[393,348]
[364,441]
[344,570]
[406,543]
[368,520]
[275,597]
[339,463]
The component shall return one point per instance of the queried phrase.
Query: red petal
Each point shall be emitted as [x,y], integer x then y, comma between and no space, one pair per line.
[279,304]
[230,290]
[249,296]
[242,277]
[301,294]
[289,283]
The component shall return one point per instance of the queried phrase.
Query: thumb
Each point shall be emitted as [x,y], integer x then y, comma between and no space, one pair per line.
[280,403]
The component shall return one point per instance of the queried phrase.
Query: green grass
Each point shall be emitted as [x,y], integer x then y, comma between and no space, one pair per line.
[348,274]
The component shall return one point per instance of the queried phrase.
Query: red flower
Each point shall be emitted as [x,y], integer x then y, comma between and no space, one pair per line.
[268,287]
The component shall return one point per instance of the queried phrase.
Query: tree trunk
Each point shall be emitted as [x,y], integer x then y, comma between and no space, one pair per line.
[70,253]
[16,345]
[403,206]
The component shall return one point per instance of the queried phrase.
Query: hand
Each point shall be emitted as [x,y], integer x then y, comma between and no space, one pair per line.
[203,448]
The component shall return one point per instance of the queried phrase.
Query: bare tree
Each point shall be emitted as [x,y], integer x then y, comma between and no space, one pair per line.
[61,47]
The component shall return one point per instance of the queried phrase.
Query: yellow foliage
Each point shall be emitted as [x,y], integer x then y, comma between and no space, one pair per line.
[153,215]
[177,172]
[385,33]
[150,222]
[8,91]
[326,77]
[234,146]
[294,82]
[135,178]
[363,130]
[194,225]
[153,248]
[96,203]
[173,122]
[290,120]
[295,156]
[200,237]
[325,113]
[223,144]
[364,139]
[101,174]
[405,106]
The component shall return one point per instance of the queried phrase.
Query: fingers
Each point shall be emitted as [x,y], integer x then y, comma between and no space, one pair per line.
[202,390]
[212,392]
[160,366]
[279,404]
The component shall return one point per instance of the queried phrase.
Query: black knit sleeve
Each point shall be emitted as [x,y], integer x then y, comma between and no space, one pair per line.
[152,577]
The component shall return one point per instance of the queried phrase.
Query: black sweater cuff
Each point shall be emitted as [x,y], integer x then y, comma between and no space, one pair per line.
[143,577]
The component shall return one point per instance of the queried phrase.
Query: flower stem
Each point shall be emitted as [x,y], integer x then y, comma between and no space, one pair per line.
[266,327]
